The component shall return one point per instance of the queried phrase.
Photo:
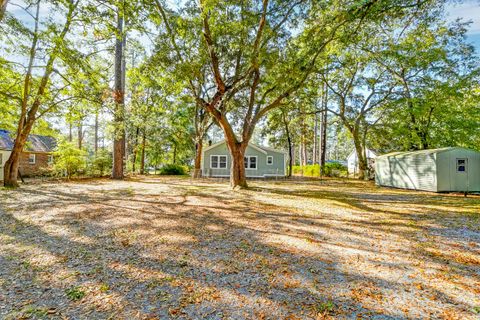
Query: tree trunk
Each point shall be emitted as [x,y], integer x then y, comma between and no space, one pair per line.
[315,138]
[70,132]
[174,153]
[303,142]
[135,146]
[323,135]
[290,147]
[361,156]
[95,143]
[238,177]
[80,134]
[142,160]
[119,97]
[198,159]
[3,8]
[10,171]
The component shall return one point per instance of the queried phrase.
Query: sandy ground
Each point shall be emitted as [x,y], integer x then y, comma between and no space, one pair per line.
[159,248]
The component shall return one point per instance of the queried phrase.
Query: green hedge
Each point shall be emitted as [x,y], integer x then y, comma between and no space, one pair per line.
[173,170]
[332,169]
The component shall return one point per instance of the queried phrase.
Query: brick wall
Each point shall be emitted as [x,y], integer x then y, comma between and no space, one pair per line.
[40,167]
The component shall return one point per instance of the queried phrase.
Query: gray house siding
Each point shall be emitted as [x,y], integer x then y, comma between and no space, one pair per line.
[277,168]
[429,170]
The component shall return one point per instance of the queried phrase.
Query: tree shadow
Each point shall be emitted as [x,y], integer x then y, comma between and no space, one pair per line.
[198,255]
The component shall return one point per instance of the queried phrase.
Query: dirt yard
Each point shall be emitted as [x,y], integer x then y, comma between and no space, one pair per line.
[159,248]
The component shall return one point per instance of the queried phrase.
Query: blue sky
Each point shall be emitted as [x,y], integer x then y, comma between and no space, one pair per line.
[468,10]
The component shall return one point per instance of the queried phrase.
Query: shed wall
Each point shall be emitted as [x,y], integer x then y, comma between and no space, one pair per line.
[451,180]
[411,171]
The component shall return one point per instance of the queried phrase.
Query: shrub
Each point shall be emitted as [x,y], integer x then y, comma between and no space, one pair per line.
[173,169]
[69,159]
[331,169]
[102,162]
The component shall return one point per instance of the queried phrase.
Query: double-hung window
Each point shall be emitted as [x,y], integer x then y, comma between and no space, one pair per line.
[31,158]
[218,162]
[269,160]
[250,162]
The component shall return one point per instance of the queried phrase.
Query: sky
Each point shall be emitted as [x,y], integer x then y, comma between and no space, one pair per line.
[468,10]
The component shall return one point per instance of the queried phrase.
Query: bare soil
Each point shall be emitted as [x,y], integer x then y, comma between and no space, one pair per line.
[166,247]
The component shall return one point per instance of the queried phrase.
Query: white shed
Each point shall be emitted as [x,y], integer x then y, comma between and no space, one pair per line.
[437,170]
[352,161]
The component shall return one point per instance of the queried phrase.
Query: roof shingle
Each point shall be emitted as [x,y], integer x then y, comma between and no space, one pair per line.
[35,143]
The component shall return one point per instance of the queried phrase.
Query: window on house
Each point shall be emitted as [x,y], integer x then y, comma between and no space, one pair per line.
[269,160]
[31,158]
[250,162]
[461,165]
[218,162]
[50,159]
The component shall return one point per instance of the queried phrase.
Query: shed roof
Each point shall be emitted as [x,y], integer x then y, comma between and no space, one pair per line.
[35,143]
[427,151]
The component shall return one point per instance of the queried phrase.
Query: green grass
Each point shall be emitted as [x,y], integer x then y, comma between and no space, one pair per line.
[75,293]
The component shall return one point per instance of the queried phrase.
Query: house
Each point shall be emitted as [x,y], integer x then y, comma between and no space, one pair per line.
[260,162]
[352,161]
[437,170]
[37,157]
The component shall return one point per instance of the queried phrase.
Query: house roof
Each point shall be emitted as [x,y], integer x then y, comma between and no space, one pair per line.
[259,148]
[35,143]
[427,151]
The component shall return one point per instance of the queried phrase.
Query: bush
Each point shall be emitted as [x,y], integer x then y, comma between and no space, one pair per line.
[69,159]
[331,169]
[102,163]
[173,170]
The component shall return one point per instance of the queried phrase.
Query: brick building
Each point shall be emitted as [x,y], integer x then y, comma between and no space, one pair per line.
[37,157]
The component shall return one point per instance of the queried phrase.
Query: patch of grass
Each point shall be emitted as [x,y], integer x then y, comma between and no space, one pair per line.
[29,312]
[104,287]
[163,296]
[75,293]
[324,308]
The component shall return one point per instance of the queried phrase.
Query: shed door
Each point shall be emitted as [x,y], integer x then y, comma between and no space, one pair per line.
[461,177]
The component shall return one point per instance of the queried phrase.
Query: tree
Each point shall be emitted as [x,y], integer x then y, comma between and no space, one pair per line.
[255,61]
[119,96]
[360,88]
[35,91]
[433,68]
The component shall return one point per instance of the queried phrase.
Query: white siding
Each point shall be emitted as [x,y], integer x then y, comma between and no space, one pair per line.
[352,160]
[5,155]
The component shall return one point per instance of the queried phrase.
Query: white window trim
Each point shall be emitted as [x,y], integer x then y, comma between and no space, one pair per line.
[50,159]
[248,161]
[30,159]
[270,164]
[465,165]
[218,162]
